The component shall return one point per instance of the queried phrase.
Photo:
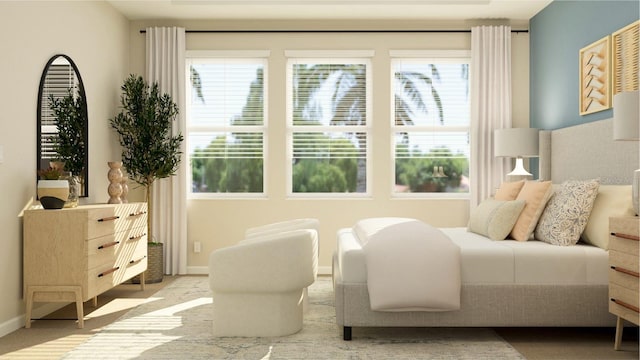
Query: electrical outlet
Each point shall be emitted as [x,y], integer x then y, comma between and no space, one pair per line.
[197,247]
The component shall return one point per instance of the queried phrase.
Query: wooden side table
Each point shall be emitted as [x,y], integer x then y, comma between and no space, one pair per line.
[624,247]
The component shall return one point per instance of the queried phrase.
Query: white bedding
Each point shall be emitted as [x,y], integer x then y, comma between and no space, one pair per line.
[411,266]
[485,261]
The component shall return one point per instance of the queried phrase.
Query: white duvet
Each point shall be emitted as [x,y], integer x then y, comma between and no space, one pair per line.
[411,266]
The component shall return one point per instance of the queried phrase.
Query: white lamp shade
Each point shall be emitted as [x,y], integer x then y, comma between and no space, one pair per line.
[516,142]
[626,115]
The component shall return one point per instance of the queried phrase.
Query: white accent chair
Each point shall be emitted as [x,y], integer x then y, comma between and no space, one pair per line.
[259,284]
[288,225]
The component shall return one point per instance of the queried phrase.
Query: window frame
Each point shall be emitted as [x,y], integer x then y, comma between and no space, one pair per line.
[329,57]
[215,56]
[428,56]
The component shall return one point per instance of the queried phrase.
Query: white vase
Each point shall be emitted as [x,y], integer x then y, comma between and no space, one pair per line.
[53,194]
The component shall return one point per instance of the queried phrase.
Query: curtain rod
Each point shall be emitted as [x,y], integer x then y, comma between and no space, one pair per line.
[143,31]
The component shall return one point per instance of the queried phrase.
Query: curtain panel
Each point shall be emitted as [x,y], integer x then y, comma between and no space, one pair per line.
[490,106]
[165,54]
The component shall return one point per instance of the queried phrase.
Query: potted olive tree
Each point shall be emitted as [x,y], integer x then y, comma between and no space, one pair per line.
[149,150]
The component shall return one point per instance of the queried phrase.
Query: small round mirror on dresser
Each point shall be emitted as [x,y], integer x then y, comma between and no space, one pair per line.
[62,122]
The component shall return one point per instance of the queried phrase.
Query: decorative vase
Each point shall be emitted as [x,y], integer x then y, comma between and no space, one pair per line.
[115,177]
[74,189]
[53,194]
[125,189]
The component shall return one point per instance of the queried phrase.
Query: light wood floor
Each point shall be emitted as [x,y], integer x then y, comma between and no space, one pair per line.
[53,337]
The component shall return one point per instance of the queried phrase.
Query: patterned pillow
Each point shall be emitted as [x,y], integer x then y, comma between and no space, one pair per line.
[495,218]
[566,214]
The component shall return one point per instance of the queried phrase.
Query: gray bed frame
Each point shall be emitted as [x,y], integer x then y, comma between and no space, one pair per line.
[579,152]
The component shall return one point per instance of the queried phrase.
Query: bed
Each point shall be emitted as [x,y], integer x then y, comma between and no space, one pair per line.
[517,283]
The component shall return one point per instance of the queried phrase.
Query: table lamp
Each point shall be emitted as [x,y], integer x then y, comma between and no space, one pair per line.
[517,143]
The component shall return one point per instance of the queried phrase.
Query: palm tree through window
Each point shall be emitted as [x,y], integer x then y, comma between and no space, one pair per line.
[431,125]
[328,125]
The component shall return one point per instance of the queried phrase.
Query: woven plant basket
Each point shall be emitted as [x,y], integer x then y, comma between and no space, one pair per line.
[155,265]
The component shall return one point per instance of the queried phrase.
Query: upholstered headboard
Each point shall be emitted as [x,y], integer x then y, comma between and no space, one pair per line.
[587,151]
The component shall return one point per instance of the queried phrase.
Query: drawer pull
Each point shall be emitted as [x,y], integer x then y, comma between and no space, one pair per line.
[138,213]
[108,271]
[108,245]
[137,261]
[135,237]
[624,304]
[626,236]
[625,271]
[110,218]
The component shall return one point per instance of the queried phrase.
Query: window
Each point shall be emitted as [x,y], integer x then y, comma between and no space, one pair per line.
[226,124]
[328,125]
[430,124]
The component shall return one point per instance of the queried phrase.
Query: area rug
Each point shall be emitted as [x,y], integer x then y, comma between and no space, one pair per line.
[176,323]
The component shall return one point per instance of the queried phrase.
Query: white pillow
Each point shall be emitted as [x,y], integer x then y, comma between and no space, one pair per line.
[612,200]
[495,218]
[565,216]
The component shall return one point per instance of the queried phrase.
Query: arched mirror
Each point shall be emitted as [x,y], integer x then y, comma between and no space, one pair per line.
[62,119]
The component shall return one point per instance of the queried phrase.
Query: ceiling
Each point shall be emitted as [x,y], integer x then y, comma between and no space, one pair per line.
[518,10]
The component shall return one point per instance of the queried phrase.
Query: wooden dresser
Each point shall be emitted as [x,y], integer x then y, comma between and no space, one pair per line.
[75,254]
[623,276]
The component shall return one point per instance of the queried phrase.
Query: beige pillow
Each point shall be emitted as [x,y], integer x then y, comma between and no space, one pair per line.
[495,218]
[509,190]
[565,216]
[612,200]
[535,194]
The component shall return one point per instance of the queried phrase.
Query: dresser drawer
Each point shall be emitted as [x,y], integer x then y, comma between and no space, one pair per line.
[111,219]
[622,227]
[623,245]
[107,249]
[624,312]
[623,294]
[621,277]
[135,267]
[101,221]
[623,260]
[132,250]
[133,215]
[100,279]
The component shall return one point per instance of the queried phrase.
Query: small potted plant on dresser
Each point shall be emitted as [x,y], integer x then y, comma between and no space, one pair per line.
[149,150]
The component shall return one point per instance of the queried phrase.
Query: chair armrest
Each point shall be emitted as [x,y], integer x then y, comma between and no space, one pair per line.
[272,263]
[289,225]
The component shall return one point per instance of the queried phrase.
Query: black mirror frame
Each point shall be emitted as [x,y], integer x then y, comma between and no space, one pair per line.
[85,189]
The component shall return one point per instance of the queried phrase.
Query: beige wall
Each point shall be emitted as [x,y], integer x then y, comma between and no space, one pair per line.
[95,36]
[219,223]
[106,48]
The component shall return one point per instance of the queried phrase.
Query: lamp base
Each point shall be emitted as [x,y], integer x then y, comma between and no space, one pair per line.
[519,169]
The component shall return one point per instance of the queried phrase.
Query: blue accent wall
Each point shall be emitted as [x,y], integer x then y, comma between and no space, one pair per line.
[556,35]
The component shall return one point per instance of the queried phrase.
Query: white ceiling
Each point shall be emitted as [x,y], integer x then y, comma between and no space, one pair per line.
[330,9]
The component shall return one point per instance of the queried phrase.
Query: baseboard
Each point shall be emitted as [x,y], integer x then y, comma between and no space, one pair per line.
[18,322]
[204,270]
[324,270]
[197,270]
